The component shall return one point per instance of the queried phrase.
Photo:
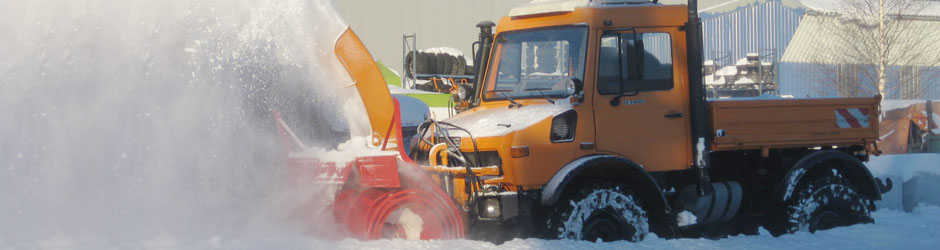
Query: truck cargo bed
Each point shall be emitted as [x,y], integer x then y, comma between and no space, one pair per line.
[788,123]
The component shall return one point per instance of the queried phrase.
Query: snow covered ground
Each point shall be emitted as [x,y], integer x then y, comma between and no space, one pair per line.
[892,230]
[264,229]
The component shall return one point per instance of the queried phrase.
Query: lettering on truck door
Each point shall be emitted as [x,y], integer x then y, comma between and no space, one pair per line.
[640,106]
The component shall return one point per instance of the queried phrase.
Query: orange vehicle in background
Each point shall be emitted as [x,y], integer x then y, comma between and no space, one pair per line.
[911,129]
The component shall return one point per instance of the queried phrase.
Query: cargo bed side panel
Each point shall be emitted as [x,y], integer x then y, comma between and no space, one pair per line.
[783,123]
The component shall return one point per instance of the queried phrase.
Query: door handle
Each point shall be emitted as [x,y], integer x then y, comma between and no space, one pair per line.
[673,115]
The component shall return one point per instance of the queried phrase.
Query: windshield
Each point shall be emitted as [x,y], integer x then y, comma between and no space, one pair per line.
[536,62]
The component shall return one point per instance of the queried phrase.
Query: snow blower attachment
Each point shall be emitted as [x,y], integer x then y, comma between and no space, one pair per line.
[381,192]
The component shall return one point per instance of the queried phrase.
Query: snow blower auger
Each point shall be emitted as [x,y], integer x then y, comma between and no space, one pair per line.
[382,194]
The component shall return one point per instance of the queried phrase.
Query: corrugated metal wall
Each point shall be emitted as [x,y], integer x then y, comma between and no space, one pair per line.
[747,29]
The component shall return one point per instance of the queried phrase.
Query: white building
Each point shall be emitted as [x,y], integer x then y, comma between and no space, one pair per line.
[819,62]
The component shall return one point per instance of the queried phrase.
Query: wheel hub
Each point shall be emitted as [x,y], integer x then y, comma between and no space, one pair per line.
[826,219]
[601,227]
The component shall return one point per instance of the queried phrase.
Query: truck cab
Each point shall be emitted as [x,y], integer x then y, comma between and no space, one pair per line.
[566,84]
[571,80]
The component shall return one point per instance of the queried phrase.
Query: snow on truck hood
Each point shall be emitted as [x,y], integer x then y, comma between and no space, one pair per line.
[503,120]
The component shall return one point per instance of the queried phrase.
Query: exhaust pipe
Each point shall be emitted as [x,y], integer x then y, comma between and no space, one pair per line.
[701,137]
[480,57]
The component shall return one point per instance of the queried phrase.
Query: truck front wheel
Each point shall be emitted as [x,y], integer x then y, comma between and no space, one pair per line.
[826,202]
[605,213]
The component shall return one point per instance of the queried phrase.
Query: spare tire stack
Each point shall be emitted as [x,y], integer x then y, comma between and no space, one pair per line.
[436,63]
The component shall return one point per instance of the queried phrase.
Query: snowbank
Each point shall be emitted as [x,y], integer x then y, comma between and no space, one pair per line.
[906,166]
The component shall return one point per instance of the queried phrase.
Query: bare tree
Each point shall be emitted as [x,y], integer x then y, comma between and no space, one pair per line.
[872,41]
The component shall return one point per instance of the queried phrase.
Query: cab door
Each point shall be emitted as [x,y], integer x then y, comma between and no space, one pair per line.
[640,100]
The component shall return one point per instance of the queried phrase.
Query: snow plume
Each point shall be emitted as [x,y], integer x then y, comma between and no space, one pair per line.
[149,122]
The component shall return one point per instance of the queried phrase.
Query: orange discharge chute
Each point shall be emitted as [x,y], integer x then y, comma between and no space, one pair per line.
[369,82]
[384,195]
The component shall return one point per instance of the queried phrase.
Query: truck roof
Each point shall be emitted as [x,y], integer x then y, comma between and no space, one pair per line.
[557,13]
[539,7]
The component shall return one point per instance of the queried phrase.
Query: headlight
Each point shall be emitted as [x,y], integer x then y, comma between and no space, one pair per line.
[502,206]
[461,93]
[563,126]
[489,208]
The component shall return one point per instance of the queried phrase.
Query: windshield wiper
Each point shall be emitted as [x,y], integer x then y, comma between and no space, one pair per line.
[541,93]
[501,92]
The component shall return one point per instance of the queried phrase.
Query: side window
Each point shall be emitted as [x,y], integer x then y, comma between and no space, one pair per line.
[631,62]
[608,71]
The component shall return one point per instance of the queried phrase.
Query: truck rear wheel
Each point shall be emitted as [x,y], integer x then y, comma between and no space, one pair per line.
[826,202]
[605,213]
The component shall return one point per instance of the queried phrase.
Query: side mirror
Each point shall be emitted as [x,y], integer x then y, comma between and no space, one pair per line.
[578,85]
[575,89]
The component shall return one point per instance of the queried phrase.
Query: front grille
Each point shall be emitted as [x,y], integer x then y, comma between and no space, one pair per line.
[455,139]
[487,158]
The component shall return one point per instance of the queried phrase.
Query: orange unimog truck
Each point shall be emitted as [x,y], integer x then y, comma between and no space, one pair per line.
[590,122]
[911,129]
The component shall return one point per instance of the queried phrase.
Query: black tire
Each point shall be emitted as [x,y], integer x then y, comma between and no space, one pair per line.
[425,87]
[409,61]
[446,62]
[461,66]
[826,201]
[430,62]
[609,213]
[421,64]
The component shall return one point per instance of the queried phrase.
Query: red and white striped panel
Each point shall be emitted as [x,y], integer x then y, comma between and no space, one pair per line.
[852,118]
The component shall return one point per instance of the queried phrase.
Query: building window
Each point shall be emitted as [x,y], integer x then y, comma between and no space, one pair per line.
[909,86]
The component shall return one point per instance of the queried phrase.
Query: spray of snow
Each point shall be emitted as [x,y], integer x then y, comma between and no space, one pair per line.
[345,152]
[146,124]
[410,222]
